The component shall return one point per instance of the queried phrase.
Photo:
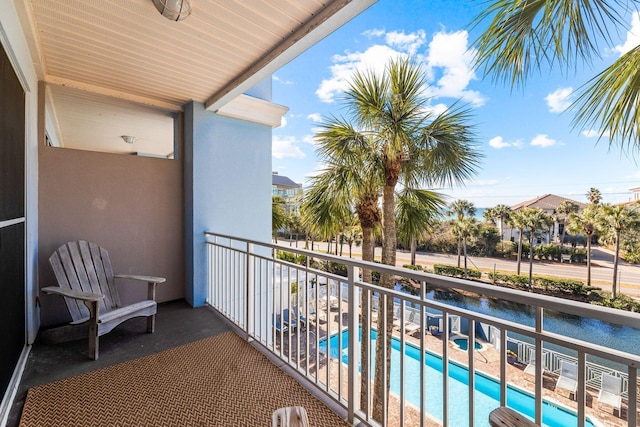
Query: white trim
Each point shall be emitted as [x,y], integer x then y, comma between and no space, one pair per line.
[254,110]
[11,222]
[14,384]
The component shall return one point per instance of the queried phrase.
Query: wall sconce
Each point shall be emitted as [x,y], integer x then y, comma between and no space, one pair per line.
[174,10]
[128,139]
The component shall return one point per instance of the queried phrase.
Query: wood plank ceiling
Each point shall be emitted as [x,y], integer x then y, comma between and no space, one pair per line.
[125,49]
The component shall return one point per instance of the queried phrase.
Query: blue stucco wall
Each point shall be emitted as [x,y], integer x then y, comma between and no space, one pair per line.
[227,186]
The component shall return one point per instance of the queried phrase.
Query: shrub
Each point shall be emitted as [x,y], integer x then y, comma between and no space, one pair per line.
[621,302]
[509,279]
[449,270]
[413,267]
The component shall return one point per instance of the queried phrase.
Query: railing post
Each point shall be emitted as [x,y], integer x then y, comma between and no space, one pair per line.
[353,342]
[248,317]
[539,361]
[503,367]
[632,397]
[582,388]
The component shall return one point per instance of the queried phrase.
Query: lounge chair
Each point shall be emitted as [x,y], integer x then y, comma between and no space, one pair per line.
[397,311]
[278,324]
[293,322]
[87,283]
[530,369]
[610,391]
[413,324]
[568,378]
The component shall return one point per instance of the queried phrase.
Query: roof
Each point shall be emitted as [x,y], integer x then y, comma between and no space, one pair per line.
[549,202]
[283,181]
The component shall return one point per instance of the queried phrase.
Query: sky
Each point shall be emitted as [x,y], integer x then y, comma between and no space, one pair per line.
[525,134]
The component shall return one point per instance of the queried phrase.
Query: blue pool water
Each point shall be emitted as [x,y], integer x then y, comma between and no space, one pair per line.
[463,343]
[487,396]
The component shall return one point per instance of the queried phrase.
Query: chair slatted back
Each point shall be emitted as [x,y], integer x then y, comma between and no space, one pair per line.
[83,266]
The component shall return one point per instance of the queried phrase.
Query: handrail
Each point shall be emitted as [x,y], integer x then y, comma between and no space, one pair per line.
[253,289]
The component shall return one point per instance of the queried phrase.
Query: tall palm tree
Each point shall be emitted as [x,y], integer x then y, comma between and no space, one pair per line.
[565,208]
[585,222]
[416,212]
[618,218]
[412,146]
[518,220]
[522,36]
[534,219]
[465,228]
[278,218]
[594,196]
[347,181]
[459,209]
[501,213]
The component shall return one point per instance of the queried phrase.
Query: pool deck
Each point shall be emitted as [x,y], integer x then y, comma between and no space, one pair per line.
[486,360]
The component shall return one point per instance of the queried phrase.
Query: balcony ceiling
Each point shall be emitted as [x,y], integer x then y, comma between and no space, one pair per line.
[125,49]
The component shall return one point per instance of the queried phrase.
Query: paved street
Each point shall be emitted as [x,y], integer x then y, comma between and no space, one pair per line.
[601,266]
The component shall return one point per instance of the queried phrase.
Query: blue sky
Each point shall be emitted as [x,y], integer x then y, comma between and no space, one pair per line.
[525,133]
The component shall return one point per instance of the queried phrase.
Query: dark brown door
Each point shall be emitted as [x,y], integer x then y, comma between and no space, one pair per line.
[12,220]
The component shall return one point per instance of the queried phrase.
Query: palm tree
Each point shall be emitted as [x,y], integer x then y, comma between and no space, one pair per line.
[585,222]
[412,146]
[499,212]
[459,209]
[518,220]
[565,208]
[278,218]
[534,219]
[416,212]
[524,35]
[465,228]
[617,218]
[594,196]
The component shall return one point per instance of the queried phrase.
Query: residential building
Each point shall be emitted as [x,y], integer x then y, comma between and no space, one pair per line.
[290,191]
[549,204]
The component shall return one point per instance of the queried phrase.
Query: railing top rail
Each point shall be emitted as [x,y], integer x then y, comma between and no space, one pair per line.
[619,317]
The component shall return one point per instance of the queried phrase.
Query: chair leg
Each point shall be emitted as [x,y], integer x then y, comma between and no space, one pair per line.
[151,324]
[93,329]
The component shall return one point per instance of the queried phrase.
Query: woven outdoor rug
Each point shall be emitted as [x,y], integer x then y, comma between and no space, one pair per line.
[217,381]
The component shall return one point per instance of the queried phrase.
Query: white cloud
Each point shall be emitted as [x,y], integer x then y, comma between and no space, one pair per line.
[408,43]
[449,55]
[498,143]
[543,141]
[374,58]
[315,117]
[634,176]
[486,182]
[559,100]
[592,133]
[282,147]
[633,35]
[309,139]
[436,110]
[375,32]
[284,82]
[283,121]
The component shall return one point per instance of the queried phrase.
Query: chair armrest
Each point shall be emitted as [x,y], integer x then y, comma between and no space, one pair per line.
[69,293]
[148,279]
[152,281]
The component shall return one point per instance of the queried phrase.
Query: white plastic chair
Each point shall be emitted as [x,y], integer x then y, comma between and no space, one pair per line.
[290,416]
[568,378]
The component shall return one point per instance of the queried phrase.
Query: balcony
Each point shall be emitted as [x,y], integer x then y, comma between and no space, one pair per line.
[261,295]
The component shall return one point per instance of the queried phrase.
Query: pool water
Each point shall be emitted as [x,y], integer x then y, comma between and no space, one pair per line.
[463,344]
[487,396]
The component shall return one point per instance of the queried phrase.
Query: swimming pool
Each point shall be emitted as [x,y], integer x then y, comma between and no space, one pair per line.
[463,344]
[487,396]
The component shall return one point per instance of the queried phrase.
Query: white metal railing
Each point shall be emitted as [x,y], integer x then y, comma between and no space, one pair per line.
[300,314]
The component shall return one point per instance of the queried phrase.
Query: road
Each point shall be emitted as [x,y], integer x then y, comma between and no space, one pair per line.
[601,266]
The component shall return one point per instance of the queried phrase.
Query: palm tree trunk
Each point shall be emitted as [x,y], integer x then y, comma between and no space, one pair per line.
[531,262]
[615,265]
[383,341]
[464,247]
[519,253]
[459,247]
[588,259]
[413,251]
[367,255]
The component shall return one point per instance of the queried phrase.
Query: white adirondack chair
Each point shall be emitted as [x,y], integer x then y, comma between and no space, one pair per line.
[87,283]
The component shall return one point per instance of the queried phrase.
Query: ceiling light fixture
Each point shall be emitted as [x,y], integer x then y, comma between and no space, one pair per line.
[174,10]
[128,139]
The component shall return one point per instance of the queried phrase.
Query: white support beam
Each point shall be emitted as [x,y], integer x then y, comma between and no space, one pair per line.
[254,110]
